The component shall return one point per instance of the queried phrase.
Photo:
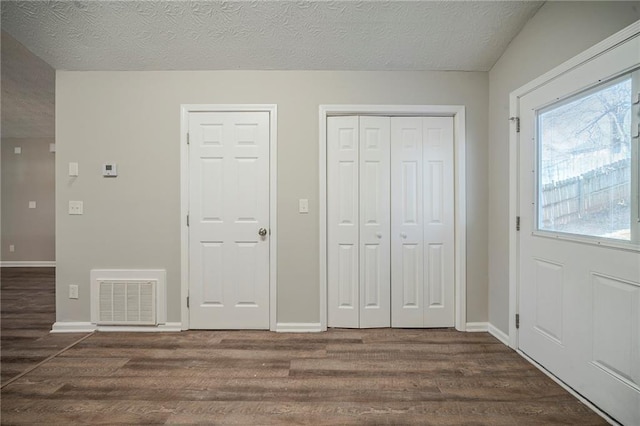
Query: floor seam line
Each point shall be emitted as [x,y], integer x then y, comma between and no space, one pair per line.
[49,358]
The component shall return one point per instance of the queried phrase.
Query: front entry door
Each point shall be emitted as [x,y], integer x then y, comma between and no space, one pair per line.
[579,266]
[229,220]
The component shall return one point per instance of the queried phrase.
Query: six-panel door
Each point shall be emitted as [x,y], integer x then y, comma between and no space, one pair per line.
[228,205]
[390,217]
[422,225]
[359,221]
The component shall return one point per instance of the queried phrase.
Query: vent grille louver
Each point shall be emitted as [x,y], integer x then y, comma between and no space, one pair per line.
[127,302]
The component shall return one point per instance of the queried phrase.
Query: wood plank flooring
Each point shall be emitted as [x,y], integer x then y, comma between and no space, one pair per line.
[27,312]
[380,376]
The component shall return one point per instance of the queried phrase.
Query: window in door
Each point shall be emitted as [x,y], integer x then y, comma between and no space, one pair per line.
[587,171]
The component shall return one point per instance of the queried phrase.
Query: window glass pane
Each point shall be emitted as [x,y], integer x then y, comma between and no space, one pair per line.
[584,163]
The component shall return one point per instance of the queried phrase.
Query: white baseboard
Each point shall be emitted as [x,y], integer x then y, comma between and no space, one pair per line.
[499,334]
[88,327]
[73,327]
[28,264]
[298,327]
[474,327]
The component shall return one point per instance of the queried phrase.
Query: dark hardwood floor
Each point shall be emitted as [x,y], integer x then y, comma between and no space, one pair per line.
[27,312]
[380,376]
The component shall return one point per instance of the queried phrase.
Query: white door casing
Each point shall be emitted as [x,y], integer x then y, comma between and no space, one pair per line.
[457,112]
[228,204]
[578,301]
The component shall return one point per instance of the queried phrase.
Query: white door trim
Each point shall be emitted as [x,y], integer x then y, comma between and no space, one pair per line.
[185,109]
[514,104]
[458,114]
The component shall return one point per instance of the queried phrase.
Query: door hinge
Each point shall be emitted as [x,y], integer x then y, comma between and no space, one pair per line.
[517,320]
[187,138]
[187,220]
[517,223]
[517,121]
[187,301]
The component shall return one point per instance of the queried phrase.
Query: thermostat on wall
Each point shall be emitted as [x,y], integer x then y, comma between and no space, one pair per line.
[109,170]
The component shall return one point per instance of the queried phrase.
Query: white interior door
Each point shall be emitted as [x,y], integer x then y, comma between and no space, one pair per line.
[358,221]
[407,230]
[422,222]
[228,208]
[390,184]
[579,269]
[343,222]
[375,223]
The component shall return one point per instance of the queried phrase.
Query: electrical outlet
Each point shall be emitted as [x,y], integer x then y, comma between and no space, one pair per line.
[32,204]
[73,291]
[76,207]
[12,248]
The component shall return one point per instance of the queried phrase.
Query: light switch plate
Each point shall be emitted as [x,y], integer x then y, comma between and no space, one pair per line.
[12,248]
[17,150]
[76,207]
[303,205]
[52,147]
[32,204]
[73,169]
[73,291]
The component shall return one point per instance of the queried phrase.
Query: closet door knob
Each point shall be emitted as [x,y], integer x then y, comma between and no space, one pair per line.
[403,235]
[379,234]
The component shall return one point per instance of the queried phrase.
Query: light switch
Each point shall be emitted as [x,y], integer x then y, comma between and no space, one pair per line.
[73,169]
[32,204]
[73,291]
[12,248]
[75,207]
[303,205]
[17,150]
[52,147]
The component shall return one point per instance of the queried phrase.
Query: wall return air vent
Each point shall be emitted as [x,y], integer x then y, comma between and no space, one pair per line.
[127,302]
[127,297]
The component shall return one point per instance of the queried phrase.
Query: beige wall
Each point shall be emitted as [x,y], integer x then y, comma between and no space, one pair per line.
[133,119]
[28,104]
[559,31]
[28,176]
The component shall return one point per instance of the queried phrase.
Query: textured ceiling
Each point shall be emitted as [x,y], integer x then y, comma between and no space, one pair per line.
[28,93]
[263,35]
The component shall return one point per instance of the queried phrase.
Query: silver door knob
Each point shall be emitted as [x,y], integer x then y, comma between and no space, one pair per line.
[262,232]
[379,234]
[403,235]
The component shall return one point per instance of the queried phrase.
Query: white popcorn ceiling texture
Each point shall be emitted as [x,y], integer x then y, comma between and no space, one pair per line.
[267,35]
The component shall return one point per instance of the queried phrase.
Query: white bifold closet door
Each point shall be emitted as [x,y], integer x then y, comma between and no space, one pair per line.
[422,225]
[390,222]
[359,222]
